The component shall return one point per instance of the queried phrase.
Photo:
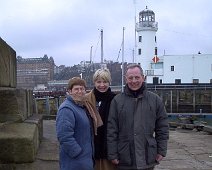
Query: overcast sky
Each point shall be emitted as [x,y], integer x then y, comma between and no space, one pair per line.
[66,29]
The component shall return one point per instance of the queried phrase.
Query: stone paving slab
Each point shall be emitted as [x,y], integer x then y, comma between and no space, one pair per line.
[16,138]
[188,149]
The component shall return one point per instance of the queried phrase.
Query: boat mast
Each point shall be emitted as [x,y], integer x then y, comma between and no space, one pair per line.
[122,77]
[102,54]
[91,54]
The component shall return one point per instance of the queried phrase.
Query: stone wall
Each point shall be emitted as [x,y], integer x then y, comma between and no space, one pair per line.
[20,130]
[16,105]
[8,65]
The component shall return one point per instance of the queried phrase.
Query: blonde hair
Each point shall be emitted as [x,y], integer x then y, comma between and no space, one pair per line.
[102,74]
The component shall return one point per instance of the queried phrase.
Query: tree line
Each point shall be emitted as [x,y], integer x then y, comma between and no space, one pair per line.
[86,72]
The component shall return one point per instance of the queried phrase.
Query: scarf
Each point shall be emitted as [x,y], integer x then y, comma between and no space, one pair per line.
[136,93]
[97,121]
[102,96]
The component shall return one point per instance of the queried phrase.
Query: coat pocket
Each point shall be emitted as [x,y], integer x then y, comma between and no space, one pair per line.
[124,153]
[151,151]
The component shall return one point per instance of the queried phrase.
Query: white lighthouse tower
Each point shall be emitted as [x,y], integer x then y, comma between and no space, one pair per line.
[146,30]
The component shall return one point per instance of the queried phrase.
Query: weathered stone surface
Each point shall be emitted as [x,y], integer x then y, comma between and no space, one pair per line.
[7,65]
[188,149]
[19,142]
[30,102]
[207,129]
[15,104]
[38,120]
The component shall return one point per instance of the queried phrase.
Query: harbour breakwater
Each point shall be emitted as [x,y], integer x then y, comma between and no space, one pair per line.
[178,98]
[193,101]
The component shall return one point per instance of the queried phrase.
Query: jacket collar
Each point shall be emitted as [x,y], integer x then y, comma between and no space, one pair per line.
[136,94]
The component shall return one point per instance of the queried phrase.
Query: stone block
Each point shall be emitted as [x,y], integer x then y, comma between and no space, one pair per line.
[37,119]
[207,129]
[30,102]
[19,142]
[15,104]
[7,65]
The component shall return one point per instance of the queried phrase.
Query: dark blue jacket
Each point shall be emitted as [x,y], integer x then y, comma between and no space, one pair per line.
[74,133]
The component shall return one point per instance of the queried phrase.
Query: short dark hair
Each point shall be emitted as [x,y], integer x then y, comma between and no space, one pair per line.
[131,66]
[76,81]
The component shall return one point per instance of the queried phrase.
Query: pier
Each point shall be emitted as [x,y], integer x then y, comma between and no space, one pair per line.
[187,149]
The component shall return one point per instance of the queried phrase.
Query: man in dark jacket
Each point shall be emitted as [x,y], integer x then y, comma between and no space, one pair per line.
[137,125]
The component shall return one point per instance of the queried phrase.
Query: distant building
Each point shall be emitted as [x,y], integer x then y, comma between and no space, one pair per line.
[58,69]
[193,68]
[32,72]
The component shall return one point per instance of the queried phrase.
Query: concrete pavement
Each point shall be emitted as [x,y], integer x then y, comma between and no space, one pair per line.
[187,150]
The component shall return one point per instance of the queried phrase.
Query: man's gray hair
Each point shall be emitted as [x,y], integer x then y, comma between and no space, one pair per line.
[131,66]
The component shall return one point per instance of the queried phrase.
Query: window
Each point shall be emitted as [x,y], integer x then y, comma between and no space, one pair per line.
[140,39]
[139,51]
[195,81]
[172,68]
[177,81]
[156,51]
[158,65]
[149,72]
[155,80]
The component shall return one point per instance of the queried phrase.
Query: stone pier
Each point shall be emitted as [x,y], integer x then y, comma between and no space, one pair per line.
[21,131]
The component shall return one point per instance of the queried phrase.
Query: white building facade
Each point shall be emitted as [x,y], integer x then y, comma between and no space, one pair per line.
[194,68]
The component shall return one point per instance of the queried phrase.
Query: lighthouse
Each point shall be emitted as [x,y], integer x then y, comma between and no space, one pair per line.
[146,30]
